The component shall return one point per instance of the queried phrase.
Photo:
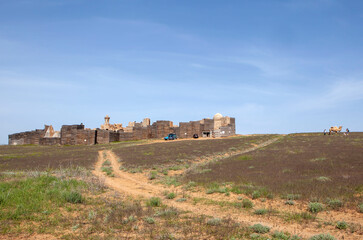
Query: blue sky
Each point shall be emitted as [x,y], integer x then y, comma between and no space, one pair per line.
[277,66]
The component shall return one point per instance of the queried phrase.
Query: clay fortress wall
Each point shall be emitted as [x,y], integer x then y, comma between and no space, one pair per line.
[217,127]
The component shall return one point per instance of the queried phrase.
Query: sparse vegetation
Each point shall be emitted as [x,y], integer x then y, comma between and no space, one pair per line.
[76,209]
[247,203]
[315,207]
[259,228]
[261,211]
[342,225]
[154,202]
[171,195]
[322,237]
[214,221]
[335,204]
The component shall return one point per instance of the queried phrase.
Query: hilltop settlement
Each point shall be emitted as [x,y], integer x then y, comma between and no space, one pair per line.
[218,126]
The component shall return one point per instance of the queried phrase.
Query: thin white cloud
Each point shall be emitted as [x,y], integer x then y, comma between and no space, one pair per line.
[338,93]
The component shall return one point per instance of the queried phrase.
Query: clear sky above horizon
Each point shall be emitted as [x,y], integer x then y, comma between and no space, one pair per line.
[277,66]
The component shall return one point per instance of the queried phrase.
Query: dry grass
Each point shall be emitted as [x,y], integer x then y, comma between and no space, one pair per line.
[318,167]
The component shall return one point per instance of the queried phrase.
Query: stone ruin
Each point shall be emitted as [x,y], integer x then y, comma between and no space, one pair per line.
[217,127]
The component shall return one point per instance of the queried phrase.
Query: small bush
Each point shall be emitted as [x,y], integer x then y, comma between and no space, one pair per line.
[335,204]
[270,196]
[260,211]
[171,212]
[315,207]
[153,175]
[341,225]
[322,237]
[171,195]
[360,208]
[289,202]
[256,194]
[280,235]
[247,203]
[259,228]
[181,200]
[154,202]
[293,196]
[107,170]
[149,220]
[73,197]
[214,222]
[295,237]
[323,179]
[106,163]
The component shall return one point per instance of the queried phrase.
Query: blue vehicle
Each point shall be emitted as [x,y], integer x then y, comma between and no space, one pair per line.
[171,136]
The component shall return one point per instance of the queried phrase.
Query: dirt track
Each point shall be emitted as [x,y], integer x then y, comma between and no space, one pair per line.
[138,186]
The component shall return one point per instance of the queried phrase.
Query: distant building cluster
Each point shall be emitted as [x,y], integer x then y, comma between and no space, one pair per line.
[217,127]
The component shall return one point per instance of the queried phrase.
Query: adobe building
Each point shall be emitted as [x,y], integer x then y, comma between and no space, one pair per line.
[217,127]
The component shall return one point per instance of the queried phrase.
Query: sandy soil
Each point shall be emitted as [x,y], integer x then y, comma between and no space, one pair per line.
[138,186]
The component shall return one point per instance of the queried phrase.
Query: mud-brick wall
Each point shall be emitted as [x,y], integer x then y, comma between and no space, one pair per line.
[106,136]
[233,125]
[50,141]
[85,137]
[103,136]
[114,136]
[161,129]
[31,137]
[208,125]
[142,133]
[77,135]
[188,129]
[126,136]
[226,131]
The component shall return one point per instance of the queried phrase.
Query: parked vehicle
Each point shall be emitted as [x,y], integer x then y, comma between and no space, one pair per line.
[171,136]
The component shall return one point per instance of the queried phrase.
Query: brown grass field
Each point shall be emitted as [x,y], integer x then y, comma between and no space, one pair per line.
[296,186]
[312,165]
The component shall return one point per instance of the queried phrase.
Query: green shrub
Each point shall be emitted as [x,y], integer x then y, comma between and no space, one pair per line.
[335,204]
[73,197]
[259,228]
[149,220]
[106,163]
[270,196]
[315,207]
[107,170]
[154,202]
[244,158]
[295,237]
[299,217]
[167,213]
[360,208]
[247,203]
[171,195]
[260,211]
[256,194]
[181,200]
[214,222]
[293,196]
[280,235]
[322,237]
[341,225]
[289,202]
[153,175]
